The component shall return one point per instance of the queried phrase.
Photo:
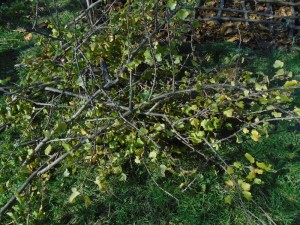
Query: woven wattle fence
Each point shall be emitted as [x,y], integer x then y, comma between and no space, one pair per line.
[249,19]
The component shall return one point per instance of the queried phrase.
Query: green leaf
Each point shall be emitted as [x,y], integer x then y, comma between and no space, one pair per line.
[158,57]
[228,199]
[93,46]
[239,139]
[139,143]
[237,165]
[47,134]
[55,33]
[66,146]
[278,64]
[99,183]
[207,125]
[153,155]
[257,181]
[177,59]
[230,170]
[74,194]
[48,150]
[251,175]
[5,81]
[60,127]
[69,35]
[66,173]
[182,14]
[297,110]
[162,170]
[194,122]
[123,177]
[87,200]
[291,83]
[30,151]
[143,131]
[147,54]
[145,95]
[240,104]
[159,126]
[249,158]
[193,107]
[171,4]
[277,114]
[247,195]
[148,57]
[259,87]
[79,82]
[197,137]
[246,93]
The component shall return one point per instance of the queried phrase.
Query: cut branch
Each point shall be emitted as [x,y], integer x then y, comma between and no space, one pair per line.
[24,185]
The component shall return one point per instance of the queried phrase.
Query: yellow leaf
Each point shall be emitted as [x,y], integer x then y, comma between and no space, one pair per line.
[255,135]
[276,114]
[137,160]
[229,183]
[251,175]
[247,195]
[28,37]
[280,72]
[263,166]
[278,64]
[245,131]
[83,132]
[234,38]
[258,171]
[74,194]
[101,185]
[245,186]
[228,113]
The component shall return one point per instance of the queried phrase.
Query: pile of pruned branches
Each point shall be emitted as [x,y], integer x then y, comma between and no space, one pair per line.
[126,89]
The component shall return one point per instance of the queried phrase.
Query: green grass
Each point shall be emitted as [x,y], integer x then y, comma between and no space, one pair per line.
[140,201]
